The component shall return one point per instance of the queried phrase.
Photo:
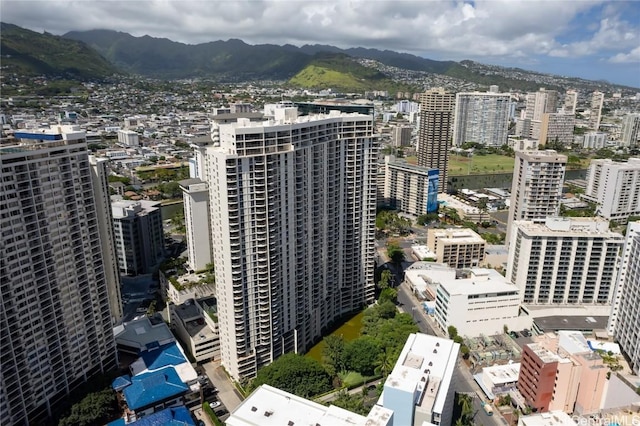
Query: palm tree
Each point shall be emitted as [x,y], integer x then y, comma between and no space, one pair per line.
[385,362]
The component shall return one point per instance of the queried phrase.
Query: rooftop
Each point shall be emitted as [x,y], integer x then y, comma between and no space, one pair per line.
[543,353]
[151,388]
[425,364]
[500,374]
[482,281]
[552,418]
[144,333]
[568,227]
[584,323]
[271,406]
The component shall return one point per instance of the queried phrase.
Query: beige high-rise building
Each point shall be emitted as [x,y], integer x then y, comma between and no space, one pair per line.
[435,132]
[56,307]
[570,102]
[630,130]
[556,127]
[536,188]
[615,188]
[481,117]
[292,205]
[597,100]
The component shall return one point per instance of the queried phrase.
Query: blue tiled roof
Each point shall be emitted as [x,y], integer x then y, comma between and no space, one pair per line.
[177,416]
[151,388]
[121,382]
[165,356]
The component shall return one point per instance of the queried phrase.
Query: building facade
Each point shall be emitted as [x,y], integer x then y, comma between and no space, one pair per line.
[195,196]
[482,118]
[597,100]
[56,316]
[128,138]
[409,189]
[624,321]
[100,179]
[556,127]
[536,188]
[564,261]
[482,303]
[420,389]
[401,136]
[434,132]
[615,188]
[630,130]
[457,247]
[570,102]
[292,217]
[138,234]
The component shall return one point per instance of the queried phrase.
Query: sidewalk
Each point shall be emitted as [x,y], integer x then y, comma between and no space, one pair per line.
[227,393]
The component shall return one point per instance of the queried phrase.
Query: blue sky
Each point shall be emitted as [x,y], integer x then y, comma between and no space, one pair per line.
[592,39]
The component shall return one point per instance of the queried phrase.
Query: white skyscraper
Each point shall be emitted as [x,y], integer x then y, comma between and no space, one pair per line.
[536,188]
[482,118]
[630,130]
[624,321]
[55,310]
[195,196]
[570,102]
[292,215]
[597,100]
[615,187]
[564,261]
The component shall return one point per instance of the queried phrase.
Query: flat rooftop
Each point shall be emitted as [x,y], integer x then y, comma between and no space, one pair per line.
[194,322]
[425,364]
[268,406]
[552,418]
[500,374]
[584,323]
[143,332]
[482,281]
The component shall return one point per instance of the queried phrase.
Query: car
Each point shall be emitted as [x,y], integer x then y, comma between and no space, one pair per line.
[221,412]
[215,404]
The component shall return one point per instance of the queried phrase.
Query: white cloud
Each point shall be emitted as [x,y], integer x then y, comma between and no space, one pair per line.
[632,56]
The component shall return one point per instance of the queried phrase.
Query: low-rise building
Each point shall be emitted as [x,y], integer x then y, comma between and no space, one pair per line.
[484,302]
[457,247]
[553,418]
[420,389]
[197,328]
[499,379]
[269,406]
[425,277]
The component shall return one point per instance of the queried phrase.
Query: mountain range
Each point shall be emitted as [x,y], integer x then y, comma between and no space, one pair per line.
[97,54]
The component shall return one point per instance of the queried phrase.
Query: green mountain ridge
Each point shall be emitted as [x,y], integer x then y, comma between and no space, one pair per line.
[30,53]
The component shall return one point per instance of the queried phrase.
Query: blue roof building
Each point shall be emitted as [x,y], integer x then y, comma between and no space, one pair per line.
[165,356]
[175,416]
[152,388]
[121,382]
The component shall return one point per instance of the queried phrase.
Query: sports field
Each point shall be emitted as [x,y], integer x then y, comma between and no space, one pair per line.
[477,165]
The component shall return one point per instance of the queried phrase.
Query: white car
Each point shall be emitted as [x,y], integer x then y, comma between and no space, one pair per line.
[215,404]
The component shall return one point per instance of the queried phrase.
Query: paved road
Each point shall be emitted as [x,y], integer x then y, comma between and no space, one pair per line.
[227,393]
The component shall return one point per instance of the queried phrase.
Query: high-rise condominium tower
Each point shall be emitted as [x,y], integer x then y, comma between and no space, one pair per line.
[615,188]
[292,220]
[570,102]
[630,130]
[482,118]
[55,313]
[624,321]
[536,188]
[597,100]
[434,133]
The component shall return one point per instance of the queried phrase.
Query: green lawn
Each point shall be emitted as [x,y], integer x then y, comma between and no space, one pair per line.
[477,165]
[480,164]
[349,331]
[351,378]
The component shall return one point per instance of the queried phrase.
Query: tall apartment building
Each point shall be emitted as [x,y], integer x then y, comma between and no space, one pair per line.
[100,179]
[128,138]
[536,188]
[630,130]
[292,216]
[597,100]
[420,389]
[541,102]
[624,321]
[434,132]
[407,188]
[564,261]
[55,312]
[594,140]
[457,247]
[615,188]
[401,136]
[570,102]
[537,376]
[482,118]
[195,197]
[137,227]
[556,127]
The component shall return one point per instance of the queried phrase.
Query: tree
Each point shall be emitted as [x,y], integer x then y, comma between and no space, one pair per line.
[385,361]
[388,295]
[294,373]
[453,332]
[353,403]
[333,353]
[385,279]
[395,253]
[95,408]
[360,355]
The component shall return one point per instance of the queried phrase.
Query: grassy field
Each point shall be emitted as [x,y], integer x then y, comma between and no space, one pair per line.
[478,165]
[349,331]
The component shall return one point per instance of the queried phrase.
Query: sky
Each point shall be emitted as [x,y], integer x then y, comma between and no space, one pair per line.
[597,40]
